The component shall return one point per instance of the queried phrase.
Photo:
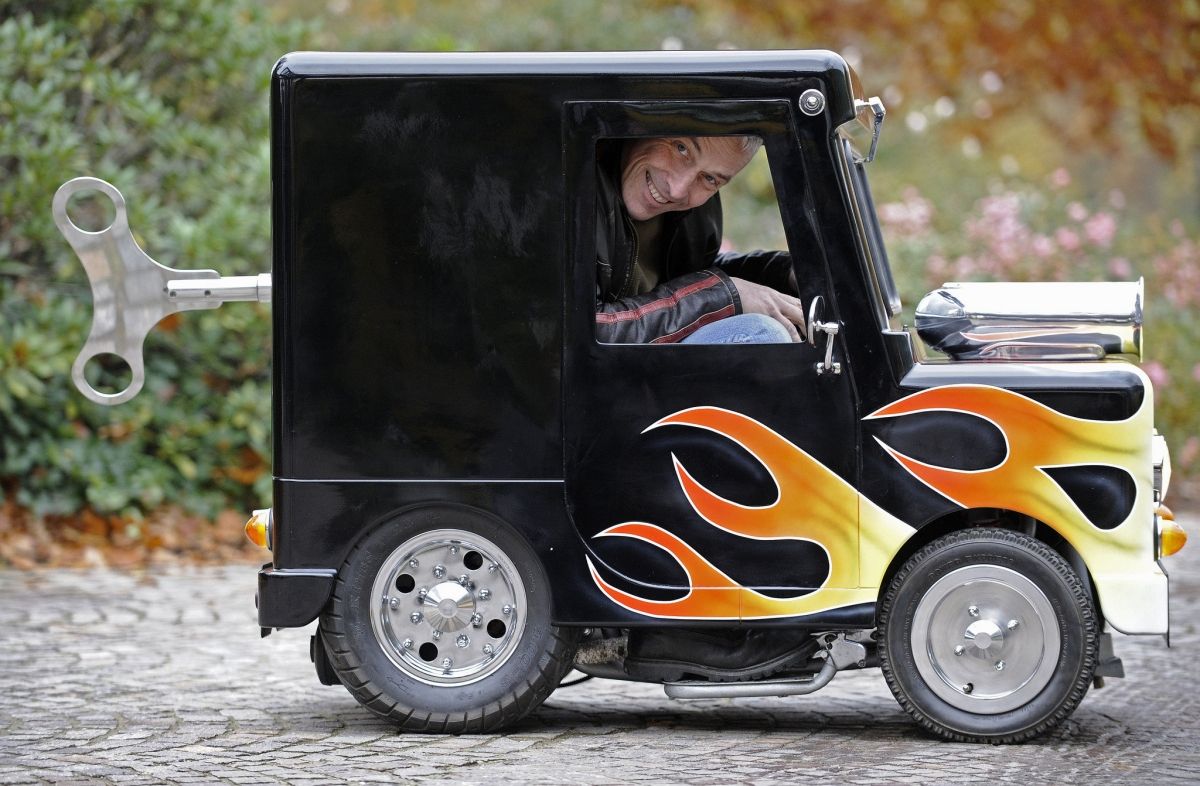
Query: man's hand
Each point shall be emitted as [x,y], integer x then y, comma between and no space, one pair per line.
[785,309]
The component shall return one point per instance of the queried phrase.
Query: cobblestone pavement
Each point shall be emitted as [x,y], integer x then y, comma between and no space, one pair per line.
[108,677]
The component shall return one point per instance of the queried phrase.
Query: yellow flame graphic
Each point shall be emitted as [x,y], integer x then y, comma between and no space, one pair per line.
[1037,438]
[814,504]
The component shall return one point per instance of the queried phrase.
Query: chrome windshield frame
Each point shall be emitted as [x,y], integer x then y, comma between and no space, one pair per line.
[868,236]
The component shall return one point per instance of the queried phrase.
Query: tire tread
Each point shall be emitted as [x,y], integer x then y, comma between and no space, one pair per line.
[1083,602]
[551,668]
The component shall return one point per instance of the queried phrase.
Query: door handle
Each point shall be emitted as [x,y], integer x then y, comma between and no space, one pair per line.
[830,329]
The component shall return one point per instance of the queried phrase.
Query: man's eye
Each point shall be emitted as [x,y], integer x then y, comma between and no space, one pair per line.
[681,148]
[712,181]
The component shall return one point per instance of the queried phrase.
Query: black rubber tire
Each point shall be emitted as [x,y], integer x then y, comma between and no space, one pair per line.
[545,654]
[1075,615]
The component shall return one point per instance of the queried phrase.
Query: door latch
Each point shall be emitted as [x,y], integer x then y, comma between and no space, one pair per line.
[830,329]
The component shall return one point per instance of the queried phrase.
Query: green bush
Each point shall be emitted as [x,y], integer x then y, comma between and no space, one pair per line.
[167,100]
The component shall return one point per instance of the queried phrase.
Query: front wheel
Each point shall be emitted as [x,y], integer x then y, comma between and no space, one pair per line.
[988,636]
[440,621]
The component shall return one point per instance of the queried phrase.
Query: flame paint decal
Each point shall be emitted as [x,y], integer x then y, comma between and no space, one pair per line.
[1037,438]
[814,504]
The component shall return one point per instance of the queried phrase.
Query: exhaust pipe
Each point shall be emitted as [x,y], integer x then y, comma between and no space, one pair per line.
[841,654]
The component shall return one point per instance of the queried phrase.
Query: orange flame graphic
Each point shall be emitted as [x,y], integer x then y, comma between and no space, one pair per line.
[1037,438]
[813,504]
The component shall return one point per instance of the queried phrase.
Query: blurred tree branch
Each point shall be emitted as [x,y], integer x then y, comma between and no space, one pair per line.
[1081,68]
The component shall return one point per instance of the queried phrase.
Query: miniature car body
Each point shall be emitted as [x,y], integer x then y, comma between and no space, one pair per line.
[473,495]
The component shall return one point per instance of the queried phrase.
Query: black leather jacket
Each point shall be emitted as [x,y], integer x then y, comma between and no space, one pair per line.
[696,289]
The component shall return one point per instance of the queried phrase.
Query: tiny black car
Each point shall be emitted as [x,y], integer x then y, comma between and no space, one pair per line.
[474,495]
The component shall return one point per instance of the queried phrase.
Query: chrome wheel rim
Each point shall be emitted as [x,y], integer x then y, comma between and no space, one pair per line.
[985,639]
[449,607]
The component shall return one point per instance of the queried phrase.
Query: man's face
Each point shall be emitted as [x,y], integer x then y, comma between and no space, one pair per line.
[663,174]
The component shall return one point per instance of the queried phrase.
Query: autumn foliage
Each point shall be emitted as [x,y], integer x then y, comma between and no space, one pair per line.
[1083,69]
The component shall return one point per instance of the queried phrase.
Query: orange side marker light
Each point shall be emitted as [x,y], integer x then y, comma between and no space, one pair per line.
[1171,536]
[258,528]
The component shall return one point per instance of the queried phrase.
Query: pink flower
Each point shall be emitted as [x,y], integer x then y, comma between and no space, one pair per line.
[1120,267]
[1068,239]
[1100,229]
[1043,246]
[1191,449]
[1179,274]
[1196,372]
[1002,209]
[1076,211]
[909,218]
[1157,372]
[1060,178]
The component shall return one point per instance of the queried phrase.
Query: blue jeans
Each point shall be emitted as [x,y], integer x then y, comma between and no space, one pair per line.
[741,329]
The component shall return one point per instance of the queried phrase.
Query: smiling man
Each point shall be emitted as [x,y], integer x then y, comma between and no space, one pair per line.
[659,275]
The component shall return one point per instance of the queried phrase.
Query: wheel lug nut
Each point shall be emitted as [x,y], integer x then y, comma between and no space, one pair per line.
[463,581]
[394,603]
[446,662]
[507,609]
[999,665]
[968,688]
[476,620]
[973,611]
[959,650]
[435,634]
[485,593]
[453,550]
[488,649]
[462,640]
[407,644]
[439,571]
[1013,624]
[415,617]
[492,567]
[421,593]
[413,563]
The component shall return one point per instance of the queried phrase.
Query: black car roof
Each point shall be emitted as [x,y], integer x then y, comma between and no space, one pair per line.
[794,62]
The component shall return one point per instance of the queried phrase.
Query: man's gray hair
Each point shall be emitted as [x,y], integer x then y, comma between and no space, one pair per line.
[751,144]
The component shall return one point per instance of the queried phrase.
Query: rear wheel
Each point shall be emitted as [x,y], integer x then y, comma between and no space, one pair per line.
[988,636]
[440,621]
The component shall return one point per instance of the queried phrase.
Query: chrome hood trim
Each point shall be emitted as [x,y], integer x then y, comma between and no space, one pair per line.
[1033,321]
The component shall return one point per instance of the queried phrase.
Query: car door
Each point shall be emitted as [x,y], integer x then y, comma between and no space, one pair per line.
[707,481]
